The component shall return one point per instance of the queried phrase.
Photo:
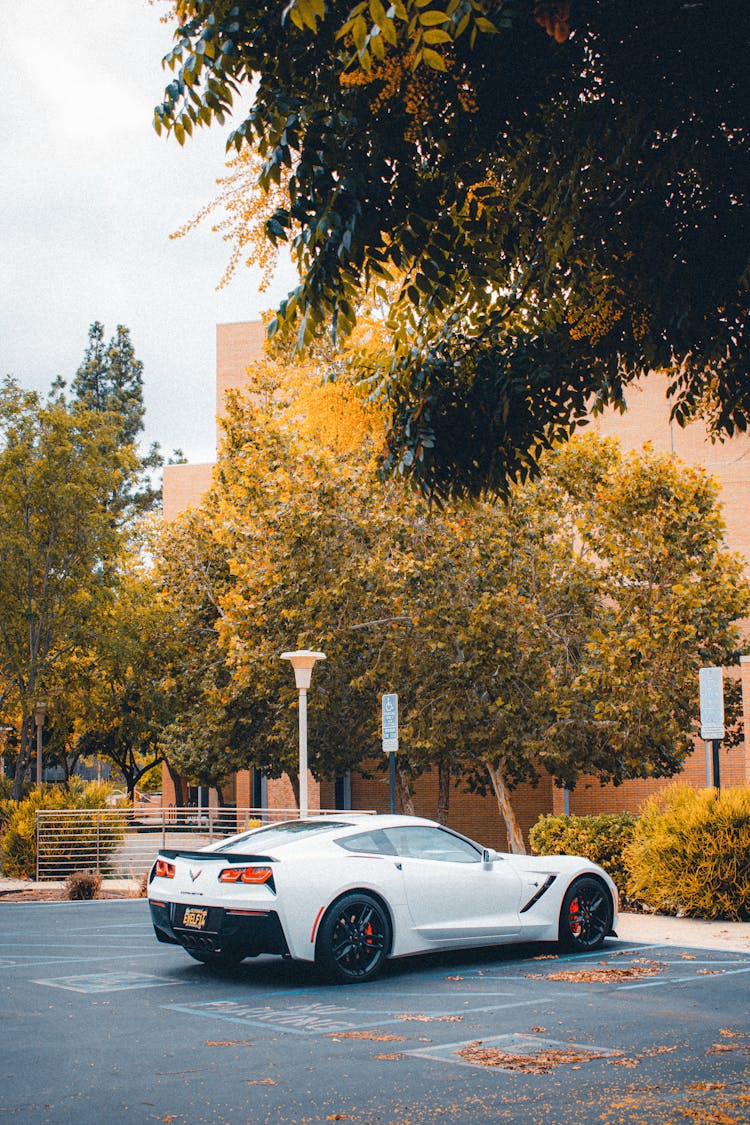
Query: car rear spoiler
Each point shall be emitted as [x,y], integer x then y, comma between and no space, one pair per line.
[206,857]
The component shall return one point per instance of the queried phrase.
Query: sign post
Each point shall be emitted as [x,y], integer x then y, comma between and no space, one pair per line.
[390,740]
[711,683]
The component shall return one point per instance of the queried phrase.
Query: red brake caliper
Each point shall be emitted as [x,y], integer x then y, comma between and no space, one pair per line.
[575,925]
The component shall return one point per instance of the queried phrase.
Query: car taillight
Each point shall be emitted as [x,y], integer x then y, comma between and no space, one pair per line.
[164,870]
[246,875]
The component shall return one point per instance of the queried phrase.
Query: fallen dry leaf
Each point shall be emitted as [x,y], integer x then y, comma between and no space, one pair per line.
[229,1043]
[390,1056]
[541,1062]
[339,1117]
[687,956]
[707,1086]
[260,1082]
[640,968]
[379,1037]
[708,972]
[539,1029]
[431,1019]
[724,1048]
[454,978]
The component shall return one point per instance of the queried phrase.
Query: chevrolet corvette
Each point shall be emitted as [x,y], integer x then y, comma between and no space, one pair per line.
[351,890]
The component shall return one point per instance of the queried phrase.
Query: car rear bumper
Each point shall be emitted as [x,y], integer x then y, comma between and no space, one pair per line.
[226,931]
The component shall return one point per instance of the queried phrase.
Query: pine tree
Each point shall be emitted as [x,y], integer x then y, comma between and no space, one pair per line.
[110,380]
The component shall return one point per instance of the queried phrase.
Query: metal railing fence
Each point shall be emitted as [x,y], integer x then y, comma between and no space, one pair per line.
[121,843]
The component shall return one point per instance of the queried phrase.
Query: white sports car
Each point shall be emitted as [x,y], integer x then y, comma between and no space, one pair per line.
[349,891]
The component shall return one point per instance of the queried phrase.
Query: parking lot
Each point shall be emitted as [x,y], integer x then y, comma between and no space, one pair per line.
[102,1024]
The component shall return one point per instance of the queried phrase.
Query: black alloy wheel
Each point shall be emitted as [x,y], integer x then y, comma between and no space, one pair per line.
[586,915]
[354,939]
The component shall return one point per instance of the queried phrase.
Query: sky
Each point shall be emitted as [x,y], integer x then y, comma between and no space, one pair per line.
[90,195]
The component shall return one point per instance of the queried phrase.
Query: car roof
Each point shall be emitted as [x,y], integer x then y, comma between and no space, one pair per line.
[357,822]
[273,834]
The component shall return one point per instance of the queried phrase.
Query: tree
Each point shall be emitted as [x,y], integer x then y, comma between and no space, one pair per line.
[558,634]
[236,706]
[110,381]
[621,594]
[558,193]
[489,616]
[210,734]
[123,703]
[58,470]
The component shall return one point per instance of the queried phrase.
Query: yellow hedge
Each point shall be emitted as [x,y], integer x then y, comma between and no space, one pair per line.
[690,853]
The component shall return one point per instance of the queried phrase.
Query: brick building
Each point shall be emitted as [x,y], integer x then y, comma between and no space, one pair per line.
[646,420]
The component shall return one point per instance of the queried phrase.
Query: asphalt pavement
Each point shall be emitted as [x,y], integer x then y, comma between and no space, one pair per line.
[100,1023]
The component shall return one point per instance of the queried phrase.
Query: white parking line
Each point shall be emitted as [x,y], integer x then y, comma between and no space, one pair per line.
[696,978]
[514,1043]
[105,982]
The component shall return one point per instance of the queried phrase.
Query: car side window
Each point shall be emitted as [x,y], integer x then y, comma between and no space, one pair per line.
[432,843]
[369,842]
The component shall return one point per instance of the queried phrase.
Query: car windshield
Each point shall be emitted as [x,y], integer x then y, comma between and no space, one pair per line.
[284,833]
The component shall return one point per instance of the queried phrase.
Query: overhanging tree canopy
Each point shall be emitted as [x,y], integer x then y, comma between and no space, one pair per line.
[556,213]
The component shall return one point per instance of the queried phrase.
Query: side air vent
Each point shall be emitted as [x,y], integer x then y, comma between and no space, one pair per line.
[542,890]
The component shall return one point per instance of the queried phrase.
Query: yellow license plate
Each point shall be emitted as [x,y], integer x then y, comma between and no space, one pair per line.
[195,919]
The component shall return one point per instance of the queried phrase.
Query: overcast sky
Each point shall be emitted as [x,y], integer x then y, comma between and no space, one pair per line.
[89,197]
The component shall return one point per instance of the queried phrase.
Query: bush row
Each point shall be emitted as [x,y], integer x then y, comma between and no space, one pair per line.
[688,853]
[18,841]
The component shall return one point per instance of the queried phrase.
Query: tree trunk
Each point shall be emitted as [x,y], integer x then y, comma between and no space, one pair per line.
[444,790]
[179,789]
[294,779]
[512,827]
[24,757]
[405,796]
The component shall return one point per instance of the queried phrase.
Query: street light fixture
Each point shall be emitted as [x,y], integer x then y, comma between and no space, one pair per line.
[303,661]
[40,712]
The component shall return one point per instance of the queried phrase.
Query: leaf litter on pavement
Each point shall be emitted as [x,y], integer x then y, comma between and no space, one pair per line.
[639,968]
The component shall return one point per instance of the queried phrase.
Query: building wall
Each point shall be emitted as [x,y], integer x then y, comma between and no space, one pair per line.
[470,813]
[183,487]
[647,421]
[237,346]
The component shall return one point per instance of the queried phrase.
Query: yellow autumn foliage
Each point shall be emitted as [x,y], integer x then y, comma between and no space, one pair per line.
[690,853]
[244,208]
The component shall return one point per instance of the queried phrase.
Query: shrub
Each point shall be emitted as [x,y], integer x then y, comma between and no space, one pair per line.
[18,844]
[83,884]
[690,853]
[602,839]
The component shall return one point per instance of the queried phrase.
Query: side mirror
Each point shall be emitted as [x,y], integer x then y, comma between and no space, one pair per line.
[489,855]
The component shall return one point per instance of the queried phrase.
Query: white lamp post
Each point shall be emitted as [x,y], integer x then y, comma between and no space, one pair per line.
[303,663]
[39,713]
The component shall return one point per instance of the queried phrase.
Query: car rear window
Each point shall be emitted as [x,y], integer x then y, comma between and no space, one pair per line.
[283,833]
[374,842]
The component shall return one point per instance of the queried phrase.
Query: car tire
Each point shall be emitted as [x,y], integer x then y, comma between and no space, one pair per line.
[586,915]
[354,939]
